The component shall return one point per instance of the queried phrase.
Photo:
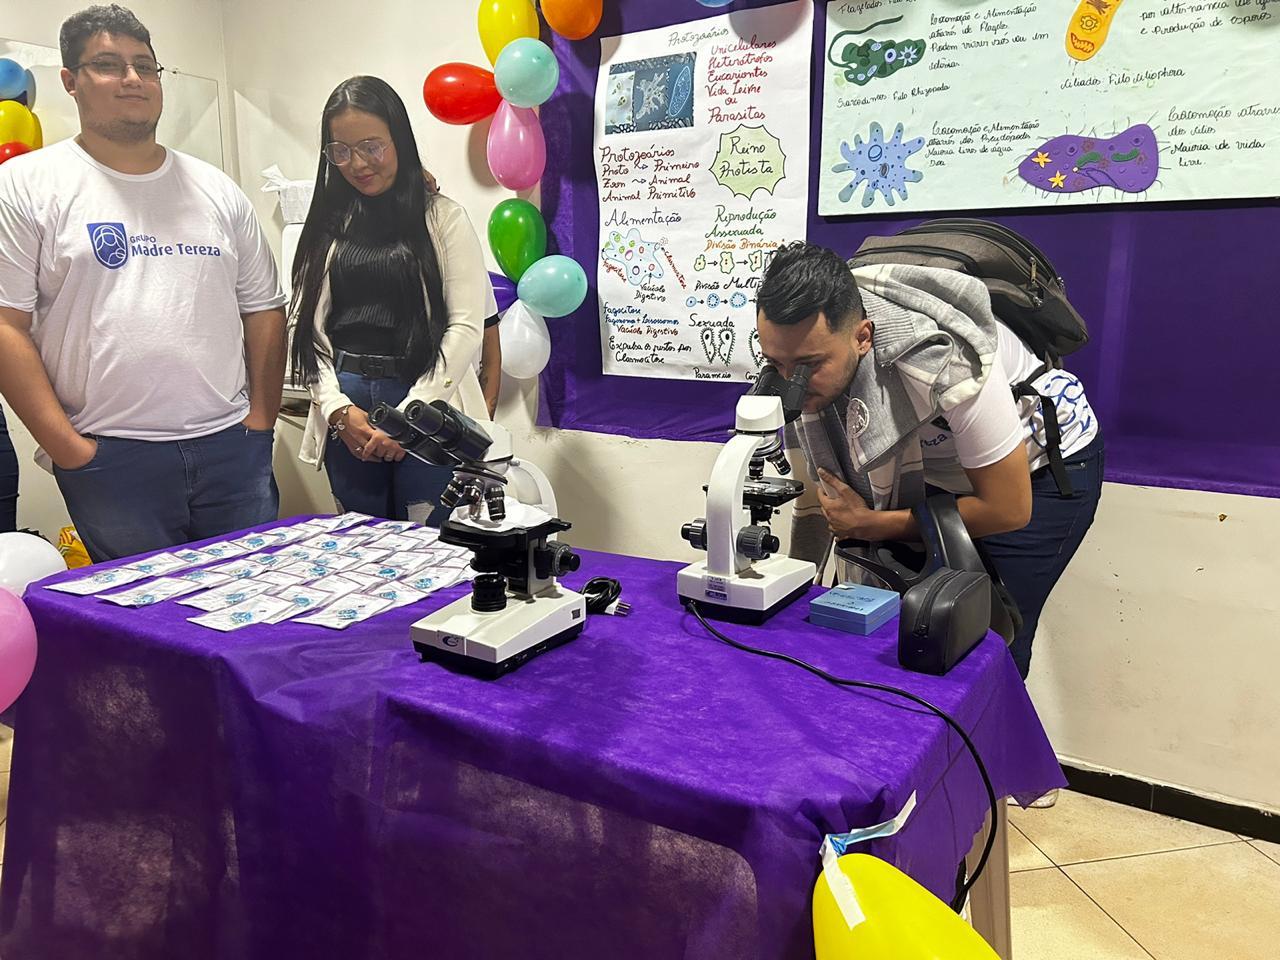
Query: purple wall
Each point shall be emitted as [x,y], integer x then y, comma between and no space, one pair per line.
[1179,299]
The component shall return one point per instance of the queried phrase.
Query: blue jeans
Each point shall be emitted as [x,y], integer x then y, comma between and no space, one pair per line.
[8,480]
[408,490]
[138,496]
[1031,560]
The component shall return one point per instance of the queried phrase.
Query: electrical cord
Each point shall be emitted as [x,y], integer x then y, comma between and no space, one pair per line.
[958,903]
[603,595]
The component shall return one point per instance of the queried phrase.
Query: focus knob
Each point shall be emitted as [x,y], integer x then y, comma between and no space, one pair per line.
[695,533]
[757,543]
[555,560]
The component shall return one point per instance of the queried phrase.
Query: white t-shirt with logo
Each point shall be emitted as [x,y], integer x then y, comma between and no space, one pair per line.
[990,426]
[136,284]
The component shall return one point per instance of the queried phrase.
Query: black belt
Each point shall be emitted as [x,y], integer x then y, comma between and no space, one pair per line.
[368,365]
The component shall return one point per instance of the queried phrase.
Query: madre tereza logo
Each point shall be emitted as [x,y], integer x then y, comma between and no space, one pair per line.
[112,246]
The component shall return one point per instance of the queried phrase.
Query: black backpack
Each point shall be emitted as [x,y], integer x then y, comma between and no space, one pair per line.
[1027,295]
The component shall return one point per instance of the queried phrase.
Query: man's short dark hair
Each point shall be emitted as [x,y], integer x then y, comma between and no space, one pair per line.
[80,27]
[804,279]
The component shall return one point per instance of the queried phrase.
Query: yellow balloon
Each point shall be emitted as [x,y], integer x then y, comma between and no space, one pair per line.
[19,124]
[904,921]
[501,21]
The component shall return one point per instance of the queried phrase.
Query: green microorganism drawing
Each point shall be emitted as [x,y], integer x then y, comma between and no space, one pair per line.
[873,59]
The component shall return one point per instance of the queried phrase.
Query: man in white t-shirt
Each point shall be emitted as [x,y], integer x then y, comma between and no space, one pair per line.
[142,336]
[967,433]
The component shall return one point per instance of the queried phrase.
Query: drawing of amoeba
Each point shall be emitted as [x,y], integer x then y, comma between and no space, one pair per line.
[881,166]
[653,95]
[635,256]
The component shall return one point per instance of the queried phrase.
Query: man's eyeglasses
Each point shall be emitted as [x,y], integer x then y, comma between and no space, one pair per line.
[113,68]
[339,153]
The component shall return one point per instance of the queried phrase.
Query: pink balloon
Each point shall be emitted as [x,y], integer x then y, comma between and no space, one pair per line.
[17,647]
[517,149]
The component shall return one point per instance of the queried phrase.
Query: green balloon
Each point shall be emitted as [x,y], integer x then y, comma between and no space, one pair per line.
[517,236]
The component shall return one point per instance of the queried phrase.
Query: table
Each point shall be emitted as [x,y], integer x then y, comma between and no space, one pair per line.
[644,791]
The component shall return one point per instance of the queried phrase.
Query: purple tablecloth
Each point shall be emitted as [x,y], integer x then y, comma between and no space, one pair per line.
[645,791]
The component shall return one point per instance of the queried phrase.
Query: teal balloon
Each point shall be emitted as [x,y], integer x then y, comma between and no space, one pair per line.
[13,79]
[555,286]
[526,72]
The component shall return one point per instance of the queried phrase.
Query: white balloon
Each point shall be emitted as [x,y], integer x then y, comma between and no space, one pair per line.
[24,558]
[526,342]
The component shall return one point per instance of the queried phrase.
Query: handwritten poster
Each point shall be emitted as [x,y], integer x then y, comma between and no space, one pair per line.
[701,155]
[932,106]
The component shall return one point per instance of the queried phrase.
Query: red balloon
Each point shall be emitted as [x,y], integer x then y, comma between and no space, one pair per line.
[461,93]
[10,150]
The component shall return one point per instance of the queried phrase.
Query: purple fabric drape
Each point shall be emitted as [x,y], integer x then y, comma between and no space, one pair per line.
[645,791]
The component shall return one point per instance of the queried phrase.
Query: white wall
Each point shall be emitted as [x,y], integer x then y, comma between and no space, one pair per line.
[1158,652]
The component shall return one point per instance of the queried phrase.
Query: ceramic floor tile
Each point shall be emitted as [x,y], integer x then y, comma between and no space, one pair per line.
[3,824]
[1054,920]
[1272,850]
[6,746]
[1080,828]
[1023,854]
[1209,903]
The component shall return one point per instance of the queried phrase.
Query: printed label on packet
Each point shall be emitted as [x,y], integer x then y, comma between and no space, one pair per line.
[227,595]
[266,561]
[259,541]
[224,550]
[383,571]
[307,570]
[253,610]
[374,554]
[292,534]
[159,564]
[106,580]
[192,557]
[399,594]
[338,585]
[296,553]
[205,578]
[412,562]
[237,569]
[163,588]
[398,541]
[279,578]
[429,581]
[337,561]
[301,600]
[397,526]
[347,610]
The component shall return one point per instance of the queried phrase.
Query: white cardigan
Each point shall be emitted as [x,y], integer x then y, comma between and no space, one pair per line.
[468,297]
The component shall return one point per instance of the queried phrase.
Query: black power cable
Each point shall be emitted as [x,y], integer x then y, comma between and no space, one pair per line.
[958,903]
[602,595]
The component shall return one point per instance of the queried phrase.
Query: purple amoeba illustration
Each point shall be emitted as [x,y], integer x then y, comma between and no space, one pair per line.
[1128,162]
[881,166]
[636,257]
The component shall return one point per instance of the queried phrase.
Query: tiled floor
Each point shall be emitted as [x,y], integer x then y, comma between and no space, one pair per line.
[1094,880]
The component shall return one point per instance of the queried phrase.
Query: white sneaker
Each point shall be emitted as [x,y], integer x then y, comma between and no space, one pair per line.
[1045,801]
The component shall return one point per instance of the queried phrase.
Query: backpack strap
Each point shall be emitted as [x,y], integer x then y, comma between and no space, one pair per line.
[1052,432]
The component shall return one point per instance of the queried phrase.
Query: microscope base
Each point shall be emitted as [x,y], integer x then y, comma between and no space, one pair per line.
[752,596]
[492,644]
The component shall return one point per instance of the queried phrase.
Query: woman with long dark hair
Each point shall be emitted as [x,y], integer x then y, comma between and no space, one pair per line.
[390,295]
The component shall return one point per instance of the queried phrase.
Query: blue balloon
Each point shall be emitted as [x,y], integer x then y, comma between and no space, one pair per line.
[526,72]
[555,286]
[13,79]
[30,98]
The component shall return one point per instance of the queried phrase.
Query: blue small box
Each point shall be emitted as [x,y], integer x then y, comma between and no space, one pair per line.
[854,608]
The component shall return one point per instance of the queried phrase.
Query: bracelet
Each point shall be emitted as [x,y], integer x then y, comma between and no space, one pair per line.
[336,428]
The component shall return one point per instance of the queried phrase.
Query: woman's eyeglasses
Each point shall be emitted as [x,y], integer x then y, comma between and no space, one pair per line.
[114,68]
[339,154]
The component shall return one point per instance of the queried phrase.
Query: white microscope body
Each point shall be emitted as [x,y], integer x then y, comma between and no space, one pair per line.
[741,579]
[504,511]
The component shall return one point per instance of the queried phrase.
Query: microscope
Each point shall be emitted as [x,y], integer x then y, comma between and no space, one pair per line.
[516,609]
[741,580]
